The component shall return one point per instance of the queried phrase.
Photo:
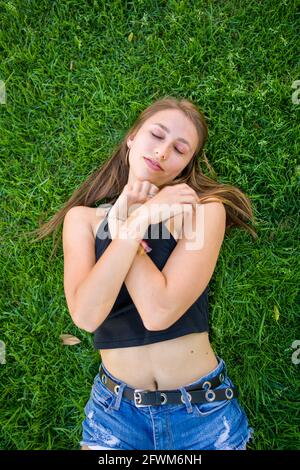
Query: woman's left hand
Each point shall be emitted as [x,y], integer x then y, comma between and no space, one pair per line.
[131,198]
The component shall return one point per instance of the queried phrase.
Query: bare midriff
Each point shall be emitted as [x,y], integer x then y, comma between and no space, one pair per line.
[165,365]
[162,366]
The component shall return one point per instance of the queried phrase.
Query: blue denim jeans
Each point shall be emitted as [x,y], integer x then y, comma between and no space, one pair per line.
[114,422]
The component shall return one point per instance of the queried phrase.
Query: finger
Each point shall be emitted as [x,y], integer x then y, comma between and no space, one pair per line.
[191,190]
[139,187]
[188,190]
[144,184]
[153,190]
[148,188]
[189,200]
[185,192]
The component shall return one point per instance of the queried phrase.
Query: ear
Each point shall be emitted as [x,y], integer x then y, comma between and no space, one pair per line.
[130,140]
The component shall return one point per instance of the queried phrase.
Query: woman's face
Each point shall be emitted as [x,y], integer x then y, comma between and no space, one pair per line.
[170,139]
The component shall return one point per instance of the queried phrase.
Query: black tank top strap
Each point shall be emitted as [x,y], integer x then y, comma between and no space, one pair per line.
[103,223]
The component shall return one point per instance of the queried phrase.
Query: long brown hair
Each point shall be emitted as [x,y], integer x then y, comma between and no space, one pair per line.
[107,182]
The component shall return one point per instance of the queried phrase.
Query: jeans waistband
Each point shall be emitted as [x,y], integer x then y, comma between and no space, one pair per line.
[205,389]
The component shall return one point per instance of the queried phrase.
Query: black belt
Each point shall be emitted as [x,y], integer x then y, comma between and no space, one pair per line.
[196,394]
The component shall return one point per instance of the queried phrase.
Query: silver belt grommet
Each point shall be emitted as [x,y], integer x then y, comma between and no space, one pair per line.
[116,389]
[164,397]
[229,393]
[103,378]
[221,377]
[208,383]
[210,395]
[190,398]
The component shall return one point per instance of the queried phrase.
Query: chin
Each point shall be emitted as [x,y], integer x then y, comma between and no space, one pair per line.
[145,177]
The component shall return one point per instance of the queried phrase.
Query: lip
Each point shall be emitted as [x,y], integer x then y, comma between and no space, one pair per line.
[151,165]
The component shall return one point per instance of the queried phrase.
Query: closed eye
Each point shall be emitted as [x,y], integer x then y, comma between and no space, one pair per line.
[181,153]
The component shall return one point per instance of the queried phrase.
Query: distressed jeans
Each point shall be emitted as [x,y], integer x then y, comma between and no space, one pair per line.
[113,422]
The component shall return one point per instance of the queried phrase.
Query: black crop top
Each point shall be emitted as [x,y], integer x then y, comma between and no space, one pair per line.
[123,327]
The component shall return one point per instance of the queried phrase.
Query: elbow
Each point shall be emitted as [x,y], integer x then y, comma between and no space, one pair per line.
[156,327]
[151,328]
[90,320]
[78,320]
[157,323]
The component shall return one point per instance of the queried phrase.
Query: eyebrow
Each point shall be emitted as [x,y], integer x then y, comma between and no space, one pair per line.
[168,130]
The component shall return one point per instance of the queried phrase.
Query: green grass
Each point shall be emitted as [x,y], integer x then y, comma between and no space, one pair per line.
[237,60]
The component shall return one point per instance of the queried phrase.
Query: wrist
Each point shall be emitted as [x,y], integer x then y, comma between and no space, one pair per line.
[134,228]
[130,224]
[119,210]
[138,219]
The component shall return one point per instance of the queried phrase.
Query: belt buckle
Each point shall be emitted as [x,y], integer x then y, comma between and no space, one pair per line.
[136,398]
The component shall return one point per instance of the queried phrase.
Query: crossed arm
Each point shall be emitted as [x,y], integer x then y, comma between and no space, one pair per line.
[162,297]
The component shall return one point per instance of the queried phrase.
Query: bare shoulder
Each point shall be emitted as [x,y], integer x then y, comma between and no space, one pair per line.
[96,216]
[214,210]
[217,208]
[211,199]
[212,206]
[92,216]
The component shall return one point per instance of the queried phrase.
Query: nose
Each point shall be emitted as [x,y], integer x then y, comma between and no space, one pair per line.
[161,153]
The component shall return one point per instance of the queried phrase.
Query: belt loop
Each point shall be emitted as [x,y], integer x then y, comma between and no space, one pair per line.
[186,400]
[115,404]
[224,368]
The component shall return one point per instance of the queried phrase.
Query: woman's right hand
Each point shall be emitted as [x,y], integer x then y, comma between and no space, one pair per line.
[131,198]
